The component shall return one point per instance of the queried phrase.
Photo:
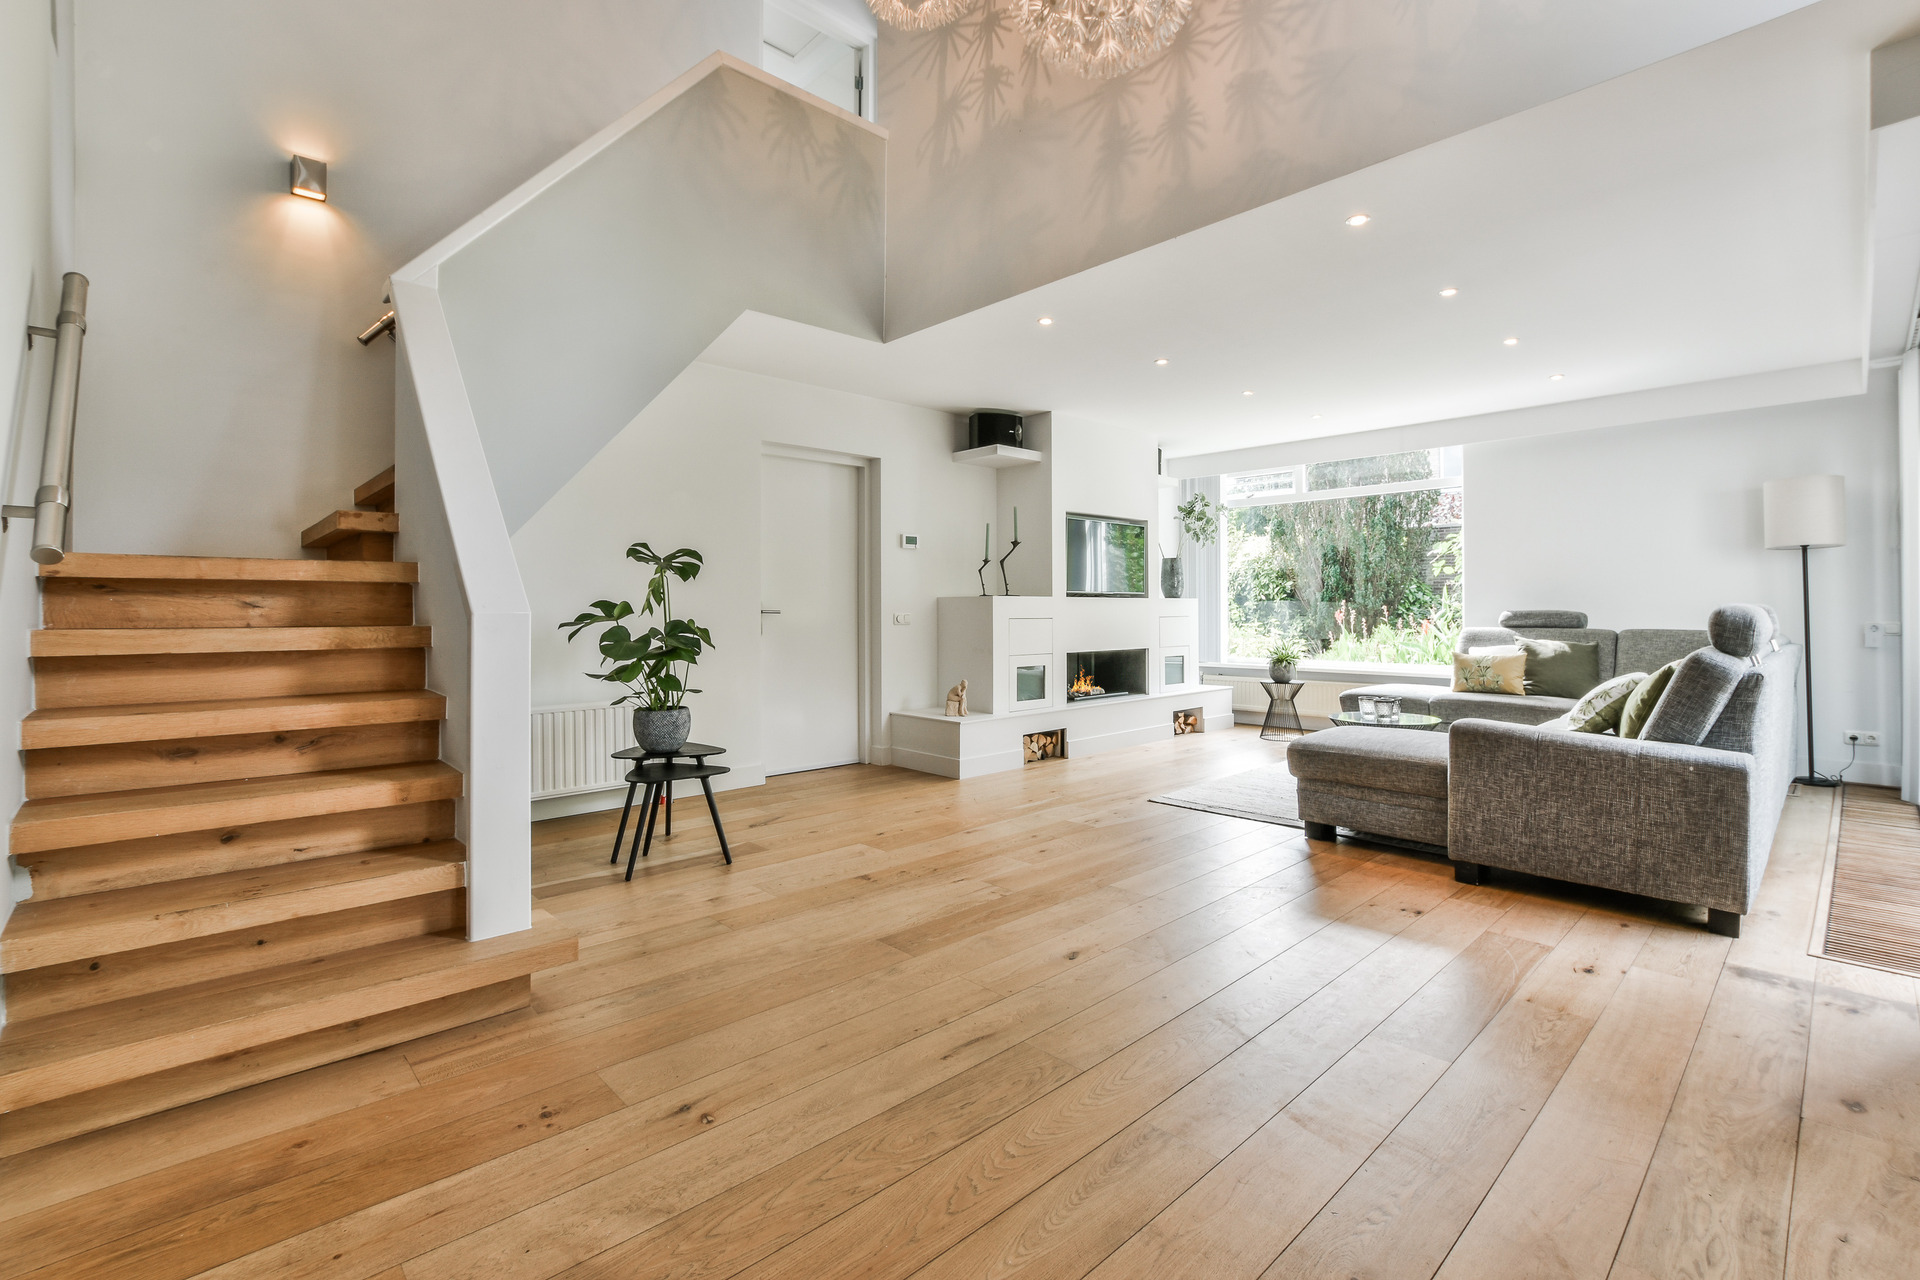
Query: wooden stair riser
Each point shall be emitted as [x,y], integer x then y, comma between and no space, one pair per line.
[69,1053]
[366,546]
[62,1118]
[177,602]
[64,930]
[127,864]
[65,822]
[222,569]
[79,984]
[79,771]
[199,677]
[85,642]
[51,727]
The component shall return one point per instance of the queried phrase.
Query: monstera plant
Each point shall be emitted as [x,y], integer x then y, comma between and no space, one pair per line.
[655,664]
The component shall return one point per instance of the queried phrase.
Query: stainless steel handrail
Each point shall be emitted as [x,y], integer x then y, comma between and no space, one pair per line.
[53,502]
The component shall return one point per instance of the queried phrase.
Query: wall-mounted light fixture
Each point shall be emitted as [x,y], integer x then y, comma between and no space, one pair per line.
[308,178]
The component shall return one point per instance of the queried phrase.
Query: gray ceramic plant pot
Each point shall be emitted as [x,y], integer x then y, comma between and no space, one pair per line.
[662,730]
[1280,674]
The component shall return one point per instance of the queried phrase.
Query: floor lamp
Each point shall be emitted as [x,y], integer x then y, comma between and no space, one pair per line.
[1806,512]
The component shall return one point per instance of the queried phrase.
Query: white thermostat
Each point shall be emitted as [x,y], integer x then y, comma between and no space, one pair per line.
[909,542]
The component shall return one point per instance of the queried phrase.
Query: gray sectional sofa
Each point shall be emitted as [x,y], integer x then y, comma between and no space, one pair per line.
[1686,812]
[1620,651]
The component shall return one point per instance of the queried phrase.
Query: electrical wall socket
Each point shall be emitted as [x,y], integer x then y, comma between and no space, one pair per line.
[1863,737]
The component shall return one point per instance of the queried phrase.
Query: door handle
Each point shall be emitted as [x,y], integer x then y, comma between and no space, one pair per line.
[766,611]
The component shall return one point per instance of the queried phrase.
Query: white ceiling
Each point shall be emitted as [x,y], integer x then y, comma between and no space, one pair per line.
[1705,219]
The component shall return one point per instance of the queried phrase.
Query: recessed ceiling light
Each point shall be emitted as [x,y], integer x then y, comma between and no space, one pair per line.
[1555,377]
[1512,342]
[1358,220]
[1161,360]
[1316,417]
[1448,293]
[1046,319]
[1246,393]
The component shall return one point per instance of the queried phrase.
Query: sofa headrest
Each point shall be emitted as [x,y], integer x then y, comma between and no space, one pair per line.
[1543,618]
[1741,630]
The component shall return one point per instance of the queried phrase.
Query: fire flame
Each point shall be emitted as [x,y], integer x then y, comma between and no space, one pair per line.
[1083,687]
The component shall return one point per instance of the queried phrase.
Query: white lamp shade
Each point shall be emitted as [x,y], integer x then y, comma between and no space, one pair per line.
[1806,511]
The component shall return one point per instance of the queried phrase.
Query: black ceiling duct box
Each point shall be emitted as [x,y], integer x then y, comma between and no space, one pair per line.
[990,426]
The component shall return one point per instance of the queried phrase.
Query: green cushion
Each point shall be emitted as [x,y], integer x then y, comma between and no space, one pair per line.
[1645,697]
[1558,669]
[1602,707]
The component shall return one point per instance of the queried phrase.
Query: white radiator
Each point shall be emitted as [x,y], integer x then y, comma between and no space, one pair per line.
[1320,698]
[573,748]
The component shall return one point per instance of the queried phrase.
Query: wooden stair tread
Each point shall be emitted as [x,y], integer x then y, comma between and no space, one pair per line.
[223,569]
[63,929]
[66,1053]
[376,493]
[54,642]
[341,525]
[154,721]
[154,811]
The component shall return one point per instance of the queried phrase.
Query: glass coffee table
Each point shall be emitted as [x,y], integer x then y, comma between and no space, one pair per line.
[1407,720]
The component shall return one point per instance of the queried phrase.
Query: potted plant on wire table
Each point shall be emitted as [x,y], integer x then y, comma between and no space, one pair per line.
[656,664]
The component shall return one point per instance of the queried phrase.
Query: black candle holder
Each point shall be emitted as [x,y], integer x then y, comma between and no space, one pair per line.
[1006,589]
[984,562]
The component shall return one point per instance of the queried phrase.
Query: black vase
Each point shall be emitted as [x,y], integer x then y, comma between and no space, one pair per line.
[1173,578]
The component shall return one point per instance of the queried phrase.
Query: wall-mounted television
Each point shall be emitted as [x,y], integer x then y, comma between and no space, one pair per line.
[1106,556]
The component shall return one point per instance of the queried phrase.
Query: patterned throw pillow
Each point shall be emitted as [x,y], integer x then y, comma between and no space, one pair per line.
[1490,673]
[1601,709]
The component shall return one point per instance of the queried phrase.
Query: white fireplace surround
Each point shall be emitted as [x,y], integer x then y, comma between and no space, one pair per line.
[988,640]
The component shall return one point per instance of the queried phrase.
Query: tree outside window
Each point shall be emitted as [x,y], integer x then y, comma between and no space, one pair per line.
[1371,571]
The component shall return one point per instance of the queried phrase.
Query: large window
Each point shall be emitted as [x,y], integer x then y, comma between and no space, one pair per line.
[1355,561]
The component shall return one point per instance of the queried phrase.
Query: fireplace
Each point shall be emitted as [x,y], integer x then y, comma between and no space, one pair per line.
[1107,673]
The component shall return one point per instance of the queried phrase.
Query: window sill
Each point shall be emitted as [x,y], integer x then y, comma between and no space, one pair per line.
[1343,672]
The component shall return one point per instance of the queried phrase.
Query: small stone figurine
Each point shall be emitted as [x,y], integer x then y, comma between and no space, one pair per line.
[957,699]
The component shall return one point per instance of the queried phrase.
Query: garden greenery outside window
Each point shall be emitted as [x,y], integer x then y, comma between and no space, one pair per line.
[1359,561]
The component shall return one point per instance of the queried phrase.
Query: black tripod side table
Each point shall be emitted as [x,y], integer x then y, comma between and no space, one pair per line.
[657,777]
[1280,696]
[694,751]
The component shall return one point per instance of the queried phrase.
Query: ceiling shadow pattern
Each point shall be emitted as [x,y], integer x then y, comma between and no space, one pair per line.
[1007,173]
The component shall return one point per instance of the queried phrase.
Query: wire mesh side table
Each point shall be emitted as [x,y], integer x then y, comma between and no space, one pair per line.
[1280,709]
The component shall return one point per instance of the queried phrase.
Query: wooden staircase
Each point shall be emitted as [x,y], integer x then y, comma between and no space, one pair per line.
[365,533]
[238,832]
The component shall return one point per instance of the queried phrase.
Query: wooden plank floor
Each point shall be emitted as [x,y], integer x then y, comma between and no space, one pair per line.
[1033,1025]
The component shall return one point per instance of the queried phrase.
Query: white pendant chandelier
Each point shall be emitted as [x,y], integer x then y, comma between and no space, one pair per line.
[1099,39]
[924,16]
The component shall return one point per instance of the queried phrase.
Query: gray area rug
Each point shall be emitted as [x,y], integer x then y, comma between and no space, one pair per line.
[1265,795]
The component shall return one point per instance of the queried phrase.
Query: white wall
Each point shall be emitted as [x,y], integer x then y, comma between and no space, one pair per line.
[226,405]
[29,294]
[685,472]
[1655,525]
[1104,471]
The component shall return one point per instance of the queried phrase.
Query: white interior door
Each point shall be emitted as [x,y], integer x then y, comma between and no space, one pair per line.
[809,613]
